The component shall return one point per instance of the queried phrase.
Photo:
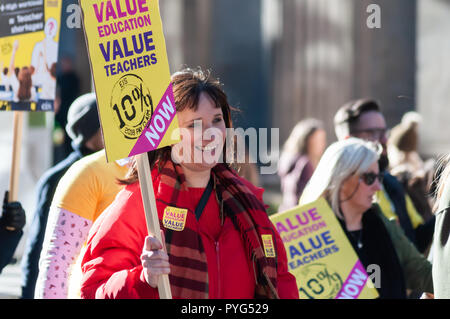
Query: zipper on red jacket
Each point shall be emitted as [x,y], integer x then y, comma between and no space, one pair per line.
[218,270]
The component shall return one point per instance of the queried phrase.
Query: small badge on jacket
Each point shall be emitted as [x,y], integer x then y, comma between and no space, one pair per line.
[269,248]
[174,218]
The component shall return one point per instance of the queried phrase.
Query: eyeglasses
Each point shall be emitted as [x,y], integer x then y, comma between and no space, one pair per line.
[369,178]
[373,134]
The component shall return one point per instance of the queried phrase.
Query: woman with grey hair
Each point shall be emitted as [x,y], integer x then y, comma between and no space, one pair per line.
[348,177]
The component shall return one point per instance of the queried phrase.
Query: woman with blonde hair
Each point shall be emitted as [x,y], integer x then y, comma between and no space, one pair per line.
[348,177]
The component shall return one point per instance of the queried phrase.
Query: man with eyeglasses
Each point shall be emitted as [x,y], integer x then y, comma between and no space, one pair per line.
[363,119]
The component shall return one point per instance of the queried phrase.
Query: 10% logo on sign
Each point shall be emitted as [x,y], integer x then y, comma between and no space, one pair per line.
[319,282]
[131,105]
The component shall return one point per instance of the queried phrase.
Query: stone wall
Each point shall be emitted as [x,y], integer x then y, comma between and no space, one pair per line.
[433,77]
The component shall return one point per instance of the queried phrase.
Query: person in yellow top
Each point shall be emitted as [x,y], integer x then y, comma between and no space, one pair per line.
[389,210]
[82,194]
[363,119]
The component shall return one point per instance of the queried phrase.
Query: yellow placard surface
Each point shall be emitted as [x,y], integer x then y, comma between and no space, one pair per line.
[131,73]
[269,248]
[29,39]
[174,218]
[320,255]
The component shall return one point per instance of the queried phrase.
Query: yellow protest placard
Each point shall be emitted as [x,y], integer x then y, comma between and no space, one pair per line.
[128,57]
[29,37]
[131,73]
[320,255]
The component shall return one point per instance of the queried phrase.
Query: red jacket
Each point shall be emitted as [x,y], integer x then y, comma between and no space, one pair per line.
[112,267]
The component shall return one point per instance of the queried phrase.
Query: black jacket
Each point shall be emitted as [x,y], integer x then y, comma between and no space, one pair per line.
[422,236]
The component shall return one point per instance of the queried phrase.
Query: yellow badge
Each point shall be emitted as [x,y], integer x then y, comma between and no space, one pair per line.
[174,218]
[269,248]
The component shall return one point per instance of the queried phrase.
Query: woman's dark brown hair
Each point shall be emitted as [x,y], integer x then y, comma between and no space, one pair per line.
[188,84]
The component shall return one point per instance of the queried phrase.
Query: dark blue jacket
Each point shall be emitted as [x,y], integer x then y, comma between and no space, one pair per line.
[397,195]
[422,236]
[8,244]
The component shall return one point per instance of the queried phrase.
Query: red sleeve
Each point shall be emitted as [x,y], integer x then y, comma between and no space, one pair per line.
[286,282]
[111,265]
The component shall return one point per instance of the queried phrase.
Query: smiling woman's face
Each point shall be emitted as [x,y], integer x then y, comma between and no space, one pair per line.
[203,134]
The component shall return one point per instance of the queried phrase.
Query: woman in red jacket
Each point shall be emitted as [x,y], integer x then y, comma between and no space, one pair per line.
[218,240]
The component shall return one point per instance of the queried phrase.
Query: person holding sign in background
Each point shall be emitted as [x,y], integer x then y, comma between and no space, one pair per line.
[348,177]
[218,239]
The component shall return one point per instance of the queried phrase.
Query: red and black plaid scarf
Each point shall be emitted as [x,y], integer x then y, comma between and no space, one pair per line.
[189,271]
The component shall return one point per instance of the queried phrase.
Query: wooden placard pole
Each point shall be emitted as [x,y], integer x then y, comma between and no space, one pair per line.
[15,163]
[151,214]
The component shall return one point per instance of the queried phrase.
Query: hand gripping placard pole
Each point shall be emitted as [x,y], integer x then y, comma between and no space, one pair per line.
[151,214]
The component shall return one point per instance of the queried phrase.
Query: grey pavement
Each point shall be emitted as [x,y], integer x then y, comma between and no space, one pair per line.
[10,281]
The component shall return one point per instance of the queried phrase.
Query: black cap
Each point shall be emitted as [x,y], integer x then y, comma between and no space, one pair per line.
[353,109]
[82,119]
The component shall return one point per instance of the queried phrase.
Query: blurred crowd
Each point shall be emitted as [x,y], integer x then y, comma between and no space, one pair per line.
[390,202]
